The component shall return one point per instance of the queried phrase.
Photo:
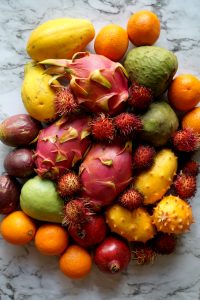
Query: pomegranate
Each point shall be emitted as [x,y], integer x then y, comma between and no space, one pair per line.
[112,255]
[90,233]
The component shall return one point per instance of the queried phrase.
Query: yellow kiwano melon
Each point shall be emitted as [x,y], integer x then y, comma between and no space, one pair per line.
[38,97]
[59,38]
[154,182]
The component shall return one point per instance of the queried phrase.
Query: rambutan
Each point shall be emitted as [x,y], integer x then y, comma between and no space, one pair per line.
[65,102]
[144,254]
[185,185]
[68,184]
[102,128]
[164,243]
[131,199]
[143,157]
[140,97]
[191,168]
[76,212]
[186,140]
[127,124]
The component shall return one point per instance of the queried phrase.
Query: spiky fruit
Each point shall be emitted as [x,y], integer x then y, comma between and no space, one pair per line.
[143,157]
[90,233]
[127,124]
[98,83]
[185,185]
[61,145]
[186,140]
[154,182]
[164,243]
[134,226]
[65,102]
[76,213]
[144,254]
[131,199]
[140,97]
[68,184]
[106,172]
[191,168]
[103,128]
[172,215]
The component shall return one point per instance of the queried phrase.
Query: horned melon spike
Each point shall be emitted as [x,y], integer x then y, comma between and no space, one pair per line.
[172,215]
[154,182]
[134,226]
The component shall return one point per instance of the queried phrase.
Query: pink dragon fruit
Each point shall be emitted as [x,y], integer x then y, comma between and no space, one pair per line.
[99,84]
[106,172]
[61,145]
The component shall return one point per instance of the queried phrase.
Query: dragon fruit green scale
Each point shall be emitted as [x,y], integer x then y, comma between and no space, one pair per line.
[105,172]
[99,84]
[61,145]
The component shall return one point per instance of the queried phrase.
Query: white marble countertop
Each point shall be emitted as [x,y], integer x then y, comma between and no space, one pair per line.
[24,273]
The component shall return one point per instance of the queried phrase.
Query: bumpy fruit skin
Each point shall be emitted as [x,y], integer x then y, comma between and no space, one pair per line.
[134,226]
[59,38]
[154,182]
[99,84]
[106,172]
[37,95]
[159,123]
[172,215]
[61,145]
[151,66]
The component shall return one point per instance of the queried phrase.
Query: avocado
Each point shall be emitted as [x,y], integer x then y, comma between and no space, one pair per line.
[151,66]
[159,123]
[40,200]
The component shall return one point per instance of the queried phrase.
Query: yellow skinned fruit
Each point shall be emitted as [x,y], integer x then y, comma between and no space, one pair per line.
[172,215]
[37,95]
[59,38]
[154,182]
[134,226]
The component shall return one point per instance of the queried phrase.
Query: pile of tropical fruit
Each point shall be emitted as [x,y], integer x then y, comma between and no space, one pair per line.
[101,168]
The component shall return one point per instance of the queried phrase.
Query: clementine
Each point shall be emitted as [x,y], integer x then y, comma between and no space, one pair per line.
[143,28]
[112,42]
[191,120]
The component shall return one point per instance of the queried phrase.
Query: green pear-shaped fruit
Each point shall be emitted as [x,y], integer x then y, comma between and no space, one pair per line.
[40,200]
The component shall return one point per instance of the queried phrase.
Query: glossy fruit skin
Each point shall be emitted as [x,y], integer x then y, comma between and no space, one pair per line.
[9,194]
[17,228]
[76,262]
[90,233]
[184,92]
[105,172]
[19,130]
[112,42]
[59,38]
[37,95]
[19,163]
[51,239]
[191,120]
[143,28]
[112,255]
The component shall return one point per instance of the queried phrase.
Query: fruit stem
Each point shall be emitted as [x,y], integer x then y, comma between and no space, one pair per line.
[114,266]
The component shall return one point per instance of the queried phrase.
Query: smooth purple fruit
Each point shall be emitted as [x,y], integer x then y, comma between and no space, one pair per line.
[9,194]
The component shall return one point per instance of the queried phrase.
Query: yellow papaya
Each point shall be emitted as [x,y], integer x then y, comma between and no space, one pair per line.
[37,95]
[59,38]
[154,182]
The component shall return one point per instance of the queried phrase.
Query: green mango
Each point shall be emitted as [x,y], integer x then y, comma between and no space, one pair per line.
[40,200]
[159,123]
[151,66]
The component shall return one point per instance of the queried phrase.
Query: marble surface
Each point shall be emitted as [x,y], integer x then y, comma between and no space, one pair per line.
[24,273]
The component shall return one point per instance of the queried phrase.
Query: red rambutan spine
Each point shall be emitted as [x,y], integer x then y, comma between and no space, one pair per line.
[143,157]
[127,124]
[131,199]
[164,243]
[185,185]
[68,184]
[186,140]
[65,102]
[191,168]
[144,254]
[140,97]
[102,128]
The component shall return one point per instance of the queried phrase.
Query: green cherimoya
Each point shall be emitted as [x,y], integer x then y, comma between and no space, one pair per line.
[159,123]
[151,66]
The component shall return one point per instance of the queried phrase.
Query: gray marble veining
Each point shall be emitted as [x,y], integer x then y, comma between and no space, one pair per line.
[24,273]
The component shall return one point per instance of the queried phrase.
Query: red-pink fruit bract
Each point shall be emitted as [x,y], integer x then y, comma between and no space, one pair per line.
[90,233]
[61,145]
[112,255]
[106,172]
[98,83]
